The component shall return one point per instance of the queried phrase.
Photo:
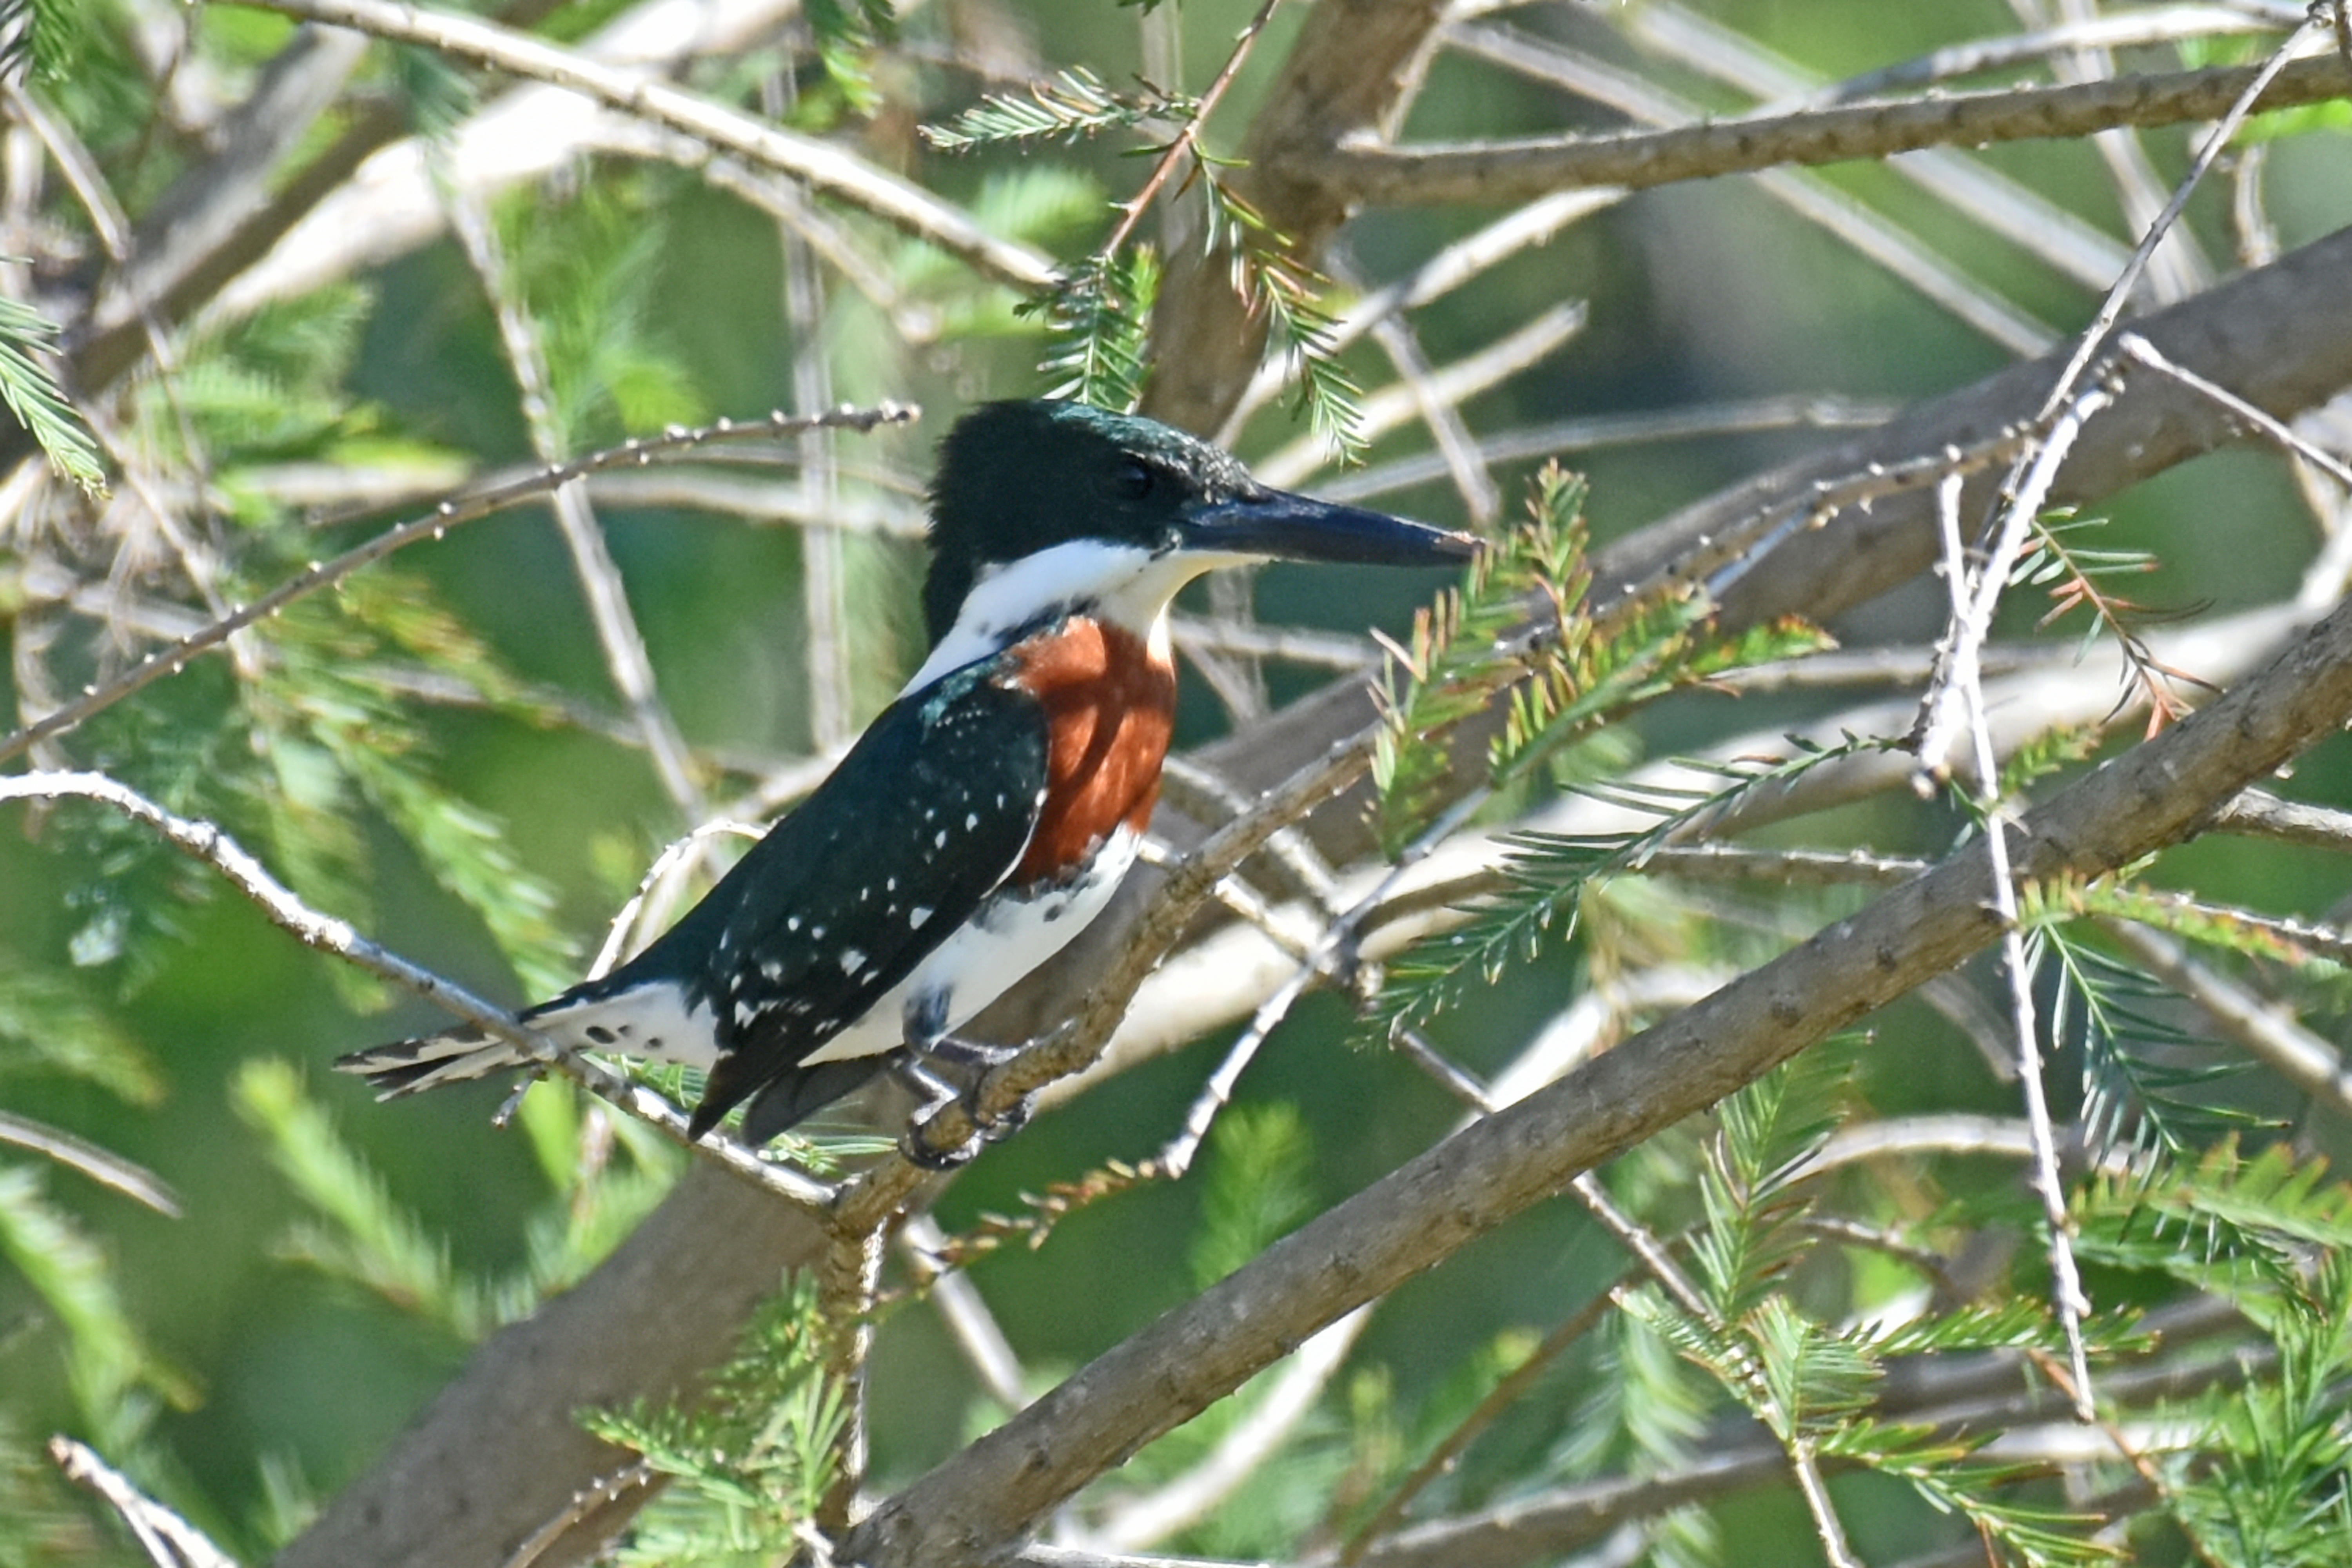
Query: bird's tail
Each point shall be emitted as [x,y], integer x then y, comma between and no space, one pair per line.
[404,1067]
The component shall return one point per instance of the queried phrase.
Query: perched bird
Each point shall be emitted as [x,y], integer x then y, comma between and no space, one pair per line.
[987,815]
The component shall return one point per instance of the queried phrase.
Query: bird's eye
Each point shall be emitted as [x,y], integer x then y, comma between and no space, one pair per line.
[1133,479]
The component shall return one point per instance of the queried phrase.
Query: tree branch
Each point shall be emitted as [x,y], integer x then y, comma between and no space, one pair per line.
[995,1491]
[467,506]
[672,1301]
[824,166]
[1520,170]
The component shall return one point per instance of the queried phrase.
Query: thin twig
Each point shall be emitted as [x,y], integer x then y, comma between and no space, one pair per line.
[2261,1026]
[1289,645]
[1657,1262]
[821,164]
[970,1323]
[1523,346]
[2178,267]
[1189,136]
[1243,1453]
[2242,103]
[1508,1391]
[205,841]
[624,645]
[2137,349]
[634,925]
[467,506]
[2260,813]
[1697,421]
[1809,195]
[1535,224]
[1945,714]
[169,1541]
[599,1493]
[1457,448]
[1960,675]
[2131,29]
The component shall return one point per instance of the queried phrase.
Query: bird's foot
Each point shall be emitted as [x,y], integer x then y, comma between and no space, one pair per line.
[948,1072]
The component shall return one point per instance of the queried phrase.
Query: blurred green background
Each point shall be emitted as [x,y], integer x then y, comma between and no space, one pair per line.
[262,1381]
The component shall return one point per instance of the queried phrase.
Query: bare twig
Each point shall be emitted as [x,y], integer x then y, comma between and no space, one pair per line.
[1812,411]
[2264,815]
[205,842]
[104,1166]
[2130,29]
[1467,258]
[2133,347]
[1243,1453]
[1517,171]
[1189,137]
[1989,200]
[970,1323]
[625,659]
[468,506]
[1523,346]
[823,165]
[2265,1030]
[169,1541]
[584,1504]
[1962,678]
[1947,712]
[1808,196]
[2242,103]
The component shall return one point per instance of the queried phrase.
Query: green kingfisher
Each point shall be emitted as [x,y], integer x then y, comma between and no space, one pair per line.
[986,817]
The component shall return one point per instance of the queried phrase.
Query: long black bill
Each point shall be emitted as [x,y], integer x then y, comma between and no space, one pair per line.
[1280,526]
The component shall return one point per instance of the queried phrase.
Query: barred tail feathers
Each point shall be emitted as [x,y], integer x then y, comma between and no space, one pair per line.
[406,1067]
[648,1019]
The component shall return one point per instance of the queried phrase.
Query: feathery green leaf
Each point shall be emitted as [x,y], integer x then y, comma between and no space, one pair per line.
[1097,324]
[39,403]
[1066,106]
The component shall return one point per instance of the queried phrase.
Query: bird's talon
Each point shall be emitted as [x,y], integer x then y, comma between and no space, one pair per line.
[920,1152]
[997,1129]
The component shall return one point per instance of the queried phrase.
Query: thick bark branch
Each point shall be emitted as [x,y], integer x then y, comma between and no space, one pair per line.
[978,1505]
[508,1453]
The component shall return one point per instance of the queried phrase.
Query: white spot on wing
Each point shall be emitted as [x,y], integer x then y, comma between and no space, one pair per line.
[981,960]
[656,1014]
[850,959]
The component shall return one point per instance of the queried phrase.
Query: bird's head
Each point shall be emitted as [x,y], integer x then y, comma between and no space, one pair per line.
[1019,480]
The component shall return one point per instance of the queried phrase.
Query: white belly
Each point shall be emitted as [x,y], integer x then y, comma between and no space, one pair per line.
[984,960]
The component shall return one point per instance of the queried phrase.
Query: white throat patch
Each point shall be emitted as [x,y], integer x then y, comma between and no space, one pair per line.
[1122,584]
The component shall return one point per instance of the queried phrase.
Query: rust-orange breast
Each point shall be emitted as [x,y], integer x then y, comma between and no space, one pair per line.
[1110,707]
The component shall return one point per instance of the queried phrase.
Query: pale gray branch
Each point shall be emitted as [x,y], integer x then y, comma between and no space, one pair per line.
[824,166]
[468,506]
[1521,170]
